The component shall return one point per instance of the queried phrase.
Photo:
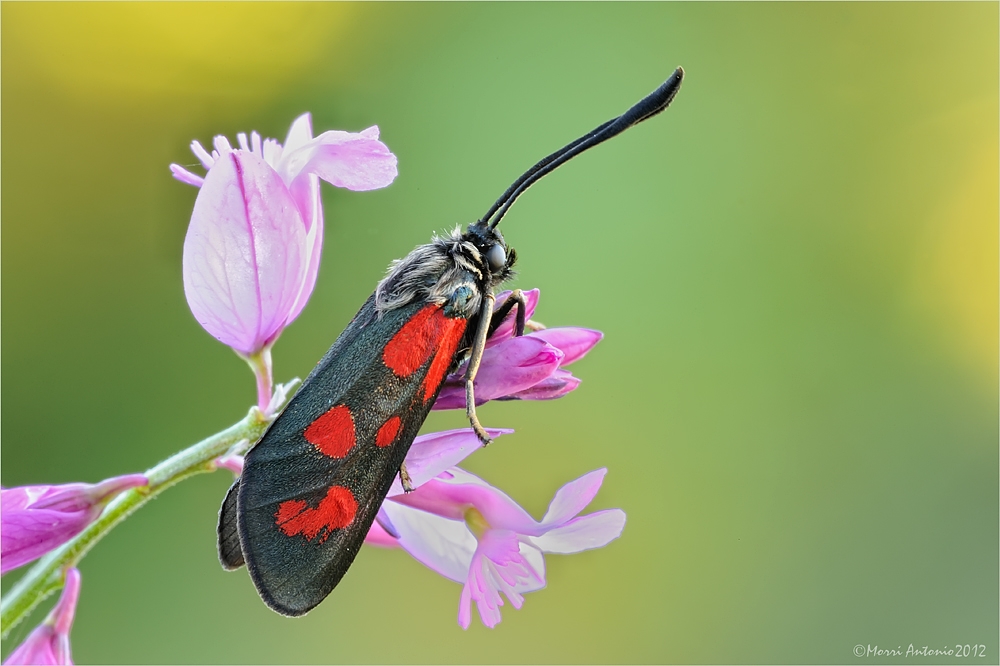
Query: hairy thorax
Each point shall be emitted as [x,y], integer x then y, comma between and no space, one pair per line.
[450,271]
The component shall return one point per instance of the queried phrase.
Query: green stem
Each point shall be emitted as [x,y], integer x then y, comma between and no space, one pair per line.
[46,576]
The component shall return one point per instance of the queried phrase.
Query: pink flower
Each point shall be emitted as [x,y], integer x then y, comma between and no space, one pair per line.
[470,532]
[252,250]
[530,367]
[429,455]
[49,642]
[37,519]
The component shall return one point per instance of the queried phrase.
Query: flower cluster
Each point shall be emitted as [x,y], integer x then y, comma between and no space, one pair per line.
[465,529]
[250,262]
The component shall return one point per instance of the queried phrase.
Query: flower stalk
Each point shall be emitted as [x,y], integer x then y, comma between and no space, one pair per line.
[47,575]
[260,363]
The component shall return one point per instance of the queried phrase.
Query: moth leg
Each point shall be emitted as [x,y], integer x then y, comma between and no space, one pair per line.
[516,298]
[404,478]
[478,345]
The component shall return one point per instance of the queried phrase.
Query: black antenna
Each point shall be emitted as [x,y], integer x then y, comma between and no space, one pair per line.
[648,107]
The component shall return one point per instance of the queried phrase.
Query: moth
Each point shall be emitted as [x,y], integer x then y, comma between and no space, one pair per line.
[313,484]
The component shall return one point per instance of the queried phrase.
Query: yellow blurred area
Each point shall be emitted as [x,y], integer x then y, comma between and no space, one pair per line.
[956,261]
[222,49]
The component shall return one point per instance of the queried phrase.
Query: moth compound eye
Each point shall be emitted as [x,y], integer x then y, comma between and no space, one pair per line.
[496,257]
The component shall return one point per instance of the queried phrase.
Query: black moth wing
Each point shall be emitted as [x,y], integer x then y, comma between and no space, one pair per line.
[293,573]
[230,552]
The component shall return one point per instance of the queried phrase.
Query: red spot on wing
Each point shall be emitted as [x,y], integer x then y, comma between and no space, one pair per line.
[414,343]
[387,433]
[288,510]
[335,511]
[447,346]
[333,432]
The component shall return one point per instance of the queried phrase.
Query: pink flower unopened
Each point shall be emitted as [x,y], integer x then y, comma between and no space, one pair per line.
[49,642]
[37,519]
[252,250]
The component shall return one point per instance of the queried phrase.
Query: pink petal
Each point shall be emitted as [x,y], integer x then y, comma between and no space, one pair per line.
[506,330]
[591,531]
[305,193]
[377,536]
[231,461]
[451,498]
[435,452]
[443,545]
[49,642]
[37,519]
[300,133]
[27,535]
[68,496]
[573,498]
[465,607]
[244,262]
[199,151]
[345,159]
[185,176]
[556,385]
[514,365]
[573,342]
[536,561]
[498,568]
[451,397]
[65,609]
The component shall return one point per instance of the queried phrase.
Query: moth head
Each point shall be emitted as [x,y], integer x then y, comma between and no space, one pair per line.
[496,257]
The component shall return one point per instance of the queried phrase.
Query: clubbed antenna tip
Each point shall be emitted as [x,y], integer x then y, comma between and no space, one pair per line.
[647,107]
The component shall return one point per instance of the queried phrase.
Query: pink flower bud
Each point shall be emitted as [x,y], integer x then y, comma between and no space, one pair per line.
[37,519]
[49,642]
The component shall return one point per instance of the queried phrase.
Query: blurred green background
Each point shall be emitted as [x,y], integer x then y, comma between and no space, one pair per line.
[795,267]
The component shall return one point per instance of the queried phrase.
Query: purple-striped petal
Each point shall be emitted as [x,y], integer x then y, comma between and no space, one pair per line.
[244,253]
[573,342]
[49,642]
